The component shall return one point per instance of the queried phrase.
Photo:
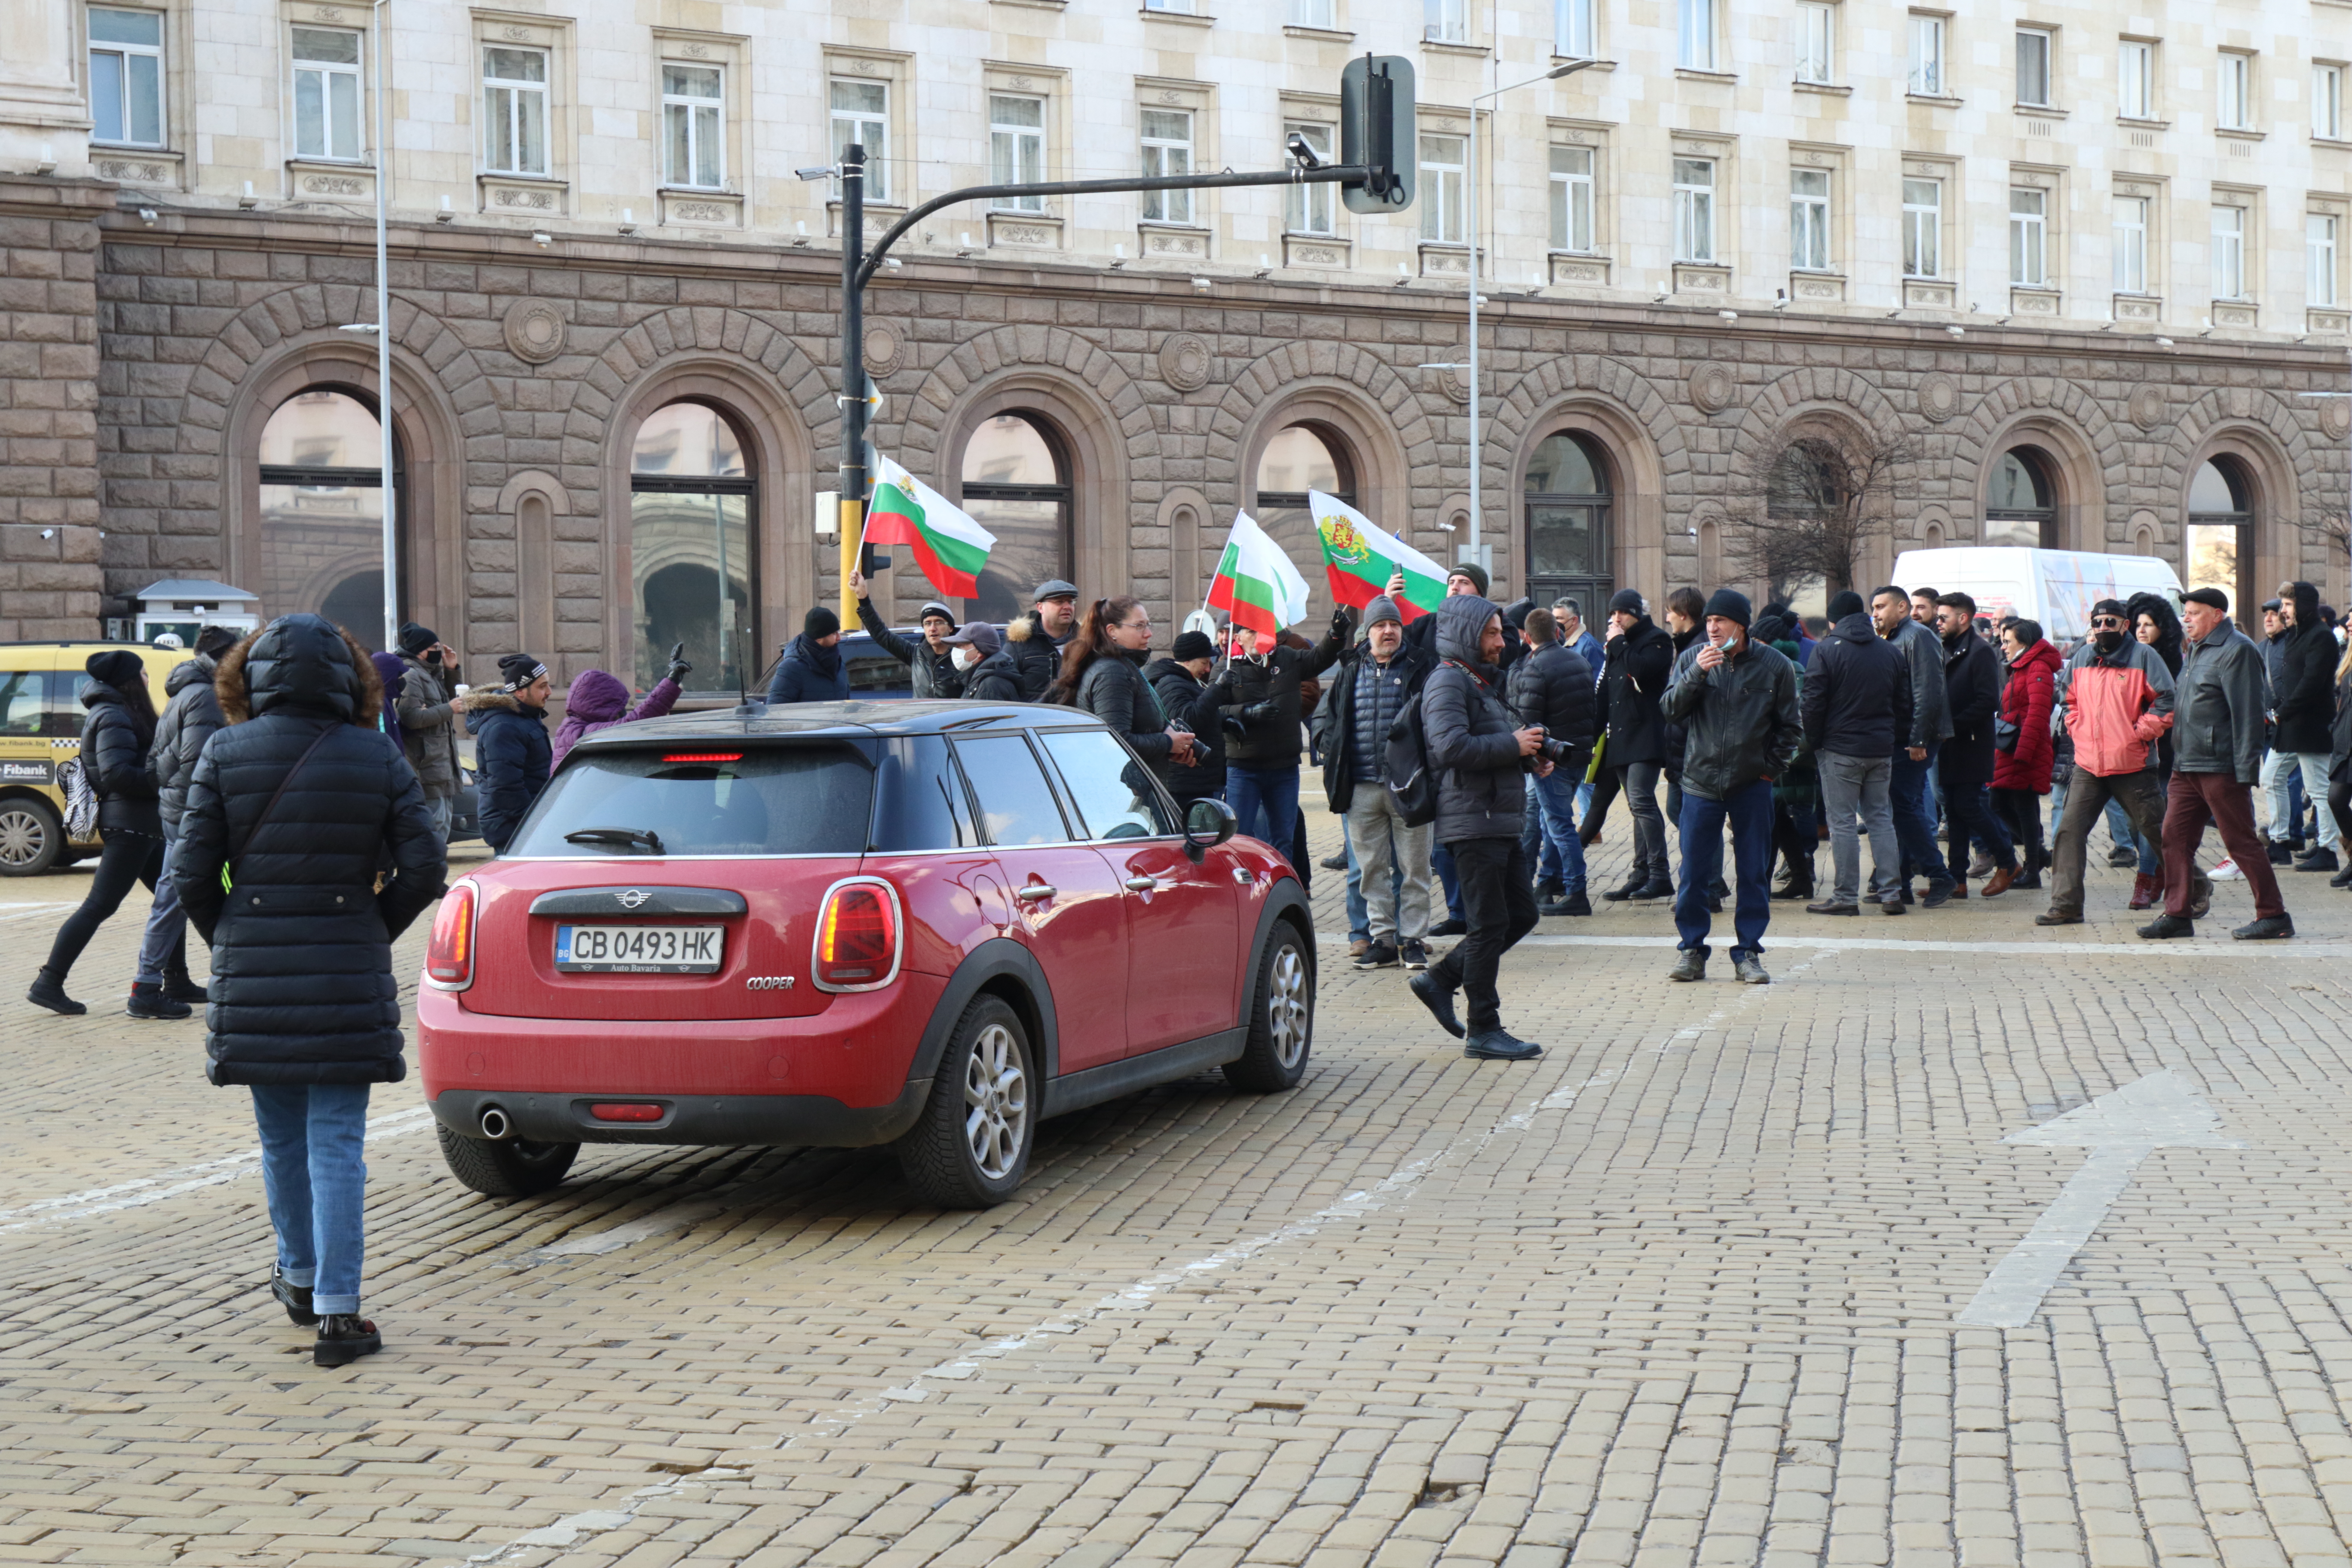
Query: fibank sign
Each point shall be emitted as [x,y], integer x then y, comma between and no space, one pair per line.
[25,772]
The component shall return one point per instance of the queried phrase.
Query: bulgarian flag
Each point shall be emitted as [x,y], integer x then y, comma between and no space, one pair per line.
[1359,559]
[1257,584]
[949,546]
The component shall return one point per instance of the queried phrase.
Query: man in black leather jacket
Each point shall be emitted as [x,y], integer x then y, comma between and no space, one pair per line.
[1736,702]
[1257,698]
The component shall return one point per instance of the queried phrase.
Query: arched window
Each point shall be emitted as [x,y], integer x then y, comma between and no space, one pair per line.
[693,577]
[2220,539]
[2021,504]
[1299,458]
[1568,500]
[322,512]
[1017,485]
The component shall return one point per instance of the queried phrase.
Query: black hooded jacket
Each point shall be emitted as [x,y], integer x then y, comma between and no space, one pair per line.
[1482,779]
[302,990]
[114,741]
[192,714]
[1274,677]
[1972,685]
[1193,705]
[1552,685]
[1856,696]
[1634,675]
[2304,697]
[996,678]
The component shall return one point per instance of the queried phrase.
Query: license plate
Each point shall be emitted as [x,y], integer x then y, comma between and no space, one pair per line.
[639,949]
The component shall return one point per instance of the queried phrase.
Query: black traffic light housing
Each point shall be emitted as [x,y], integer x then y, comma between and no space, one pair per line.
[1376,129]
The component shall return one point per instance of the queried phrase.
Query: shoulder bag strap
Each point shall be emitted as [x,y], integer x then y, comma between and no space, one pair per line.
[230,874]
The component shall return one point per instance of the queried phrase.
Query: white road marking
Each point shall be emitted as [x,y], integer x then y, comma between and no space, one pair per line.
[1779,937]
[661,1221]
[2121,1129]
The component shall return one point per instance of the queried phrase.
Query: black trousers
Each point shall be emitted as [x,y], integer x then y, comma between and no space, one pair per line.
[1968,819]
[2339,801]
[128,860]
[1499,907]
[2021,810]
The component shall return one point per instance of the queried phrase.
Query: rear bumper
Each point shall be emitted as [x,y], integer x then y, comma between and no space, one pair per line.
[806,1121]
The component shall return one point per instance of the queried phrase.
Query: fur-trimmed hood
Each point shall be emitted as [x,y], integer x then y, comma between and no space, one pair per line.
[1022,628]
[484,700]
[301,663]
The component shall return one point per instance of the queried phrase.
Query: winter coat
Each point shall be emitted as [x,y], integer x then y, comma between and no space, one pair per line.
[2217,720]
[1036,657]
[1189,704]
[426,712]
[2026,702]
[2305,697]
[1931,709]
[1365,699]
[114,743]
[1275,677]
[1589,648]
[1113,690]
[1482,779]
[512,761]
[1856,699]
[191,713]
[1740,718]
[808,673]
[935,674]
[1973,686]
[1674,737]
[598,701]
[2340,751]
[1633,675]
[1552,687]
[2117,706]
[996,678]
[302,987]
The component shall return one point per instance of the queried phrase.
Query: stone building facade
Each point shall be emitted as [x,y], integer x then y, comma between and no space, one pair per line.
[1105,389]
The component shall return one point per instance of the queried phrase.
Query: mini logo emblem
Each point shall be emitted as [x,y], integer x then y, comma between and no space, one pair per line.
[769,983]
[633,898]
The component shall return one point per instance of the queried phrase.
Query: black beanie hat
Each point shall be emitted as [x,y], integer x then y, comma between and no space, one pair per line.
[1191,646]
[415,639]
[819,621]
[1624,601]
[1731,604]
[1844,602]
[117,667]
[521,669]
[2114,607]
[1472,570]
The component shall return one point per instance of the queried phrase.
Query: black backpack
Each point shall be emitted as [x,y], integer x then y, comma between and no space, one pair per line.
[1413,782]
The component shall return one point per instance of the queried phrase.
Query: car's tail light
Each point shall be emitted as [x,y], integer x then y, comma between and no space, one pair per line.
[857,934]
[634,1110]
[449,960]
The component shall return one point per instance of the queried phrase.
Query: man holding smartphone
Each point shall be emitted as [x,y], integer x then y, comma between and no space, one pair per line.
[429,730]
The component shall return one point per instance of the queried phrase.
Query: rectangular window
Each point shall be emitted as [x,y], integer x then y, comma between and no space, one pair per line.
[2327,102]
[2234,103]
[326,93]
[1572,28]
[2229,253]
[1923,229]
[1696,48]
[1310,14]
[1017,148]
[514,104]
[861,113]
[1443,162]
[1181,7]
[1816,42]
[2319,257]
[1808,219]
[126,77]
[1572,198]
[1694,209]
[1928,56]
[1311,208]
[691,140]
[2029,237]
[2136,79]
[2131,245]
[1445,21]
[1168,150]
[2033,51]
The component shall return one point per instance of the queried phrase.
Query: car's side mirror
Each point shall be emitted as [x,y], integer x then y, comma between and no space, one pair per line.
[1207,823]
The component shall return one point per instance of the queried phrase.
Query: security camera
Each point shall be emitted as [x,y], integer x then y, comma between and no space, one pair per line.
[819,172]
[1300,152]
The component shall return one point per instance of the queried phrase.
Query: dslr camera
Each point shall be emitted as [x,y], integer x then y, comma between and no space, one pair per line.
[1555,753]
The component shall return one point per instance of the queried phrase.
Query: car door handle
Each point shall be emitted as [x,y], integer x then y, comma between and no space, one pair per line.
[1244,876]
[1142,884]
[1035,892]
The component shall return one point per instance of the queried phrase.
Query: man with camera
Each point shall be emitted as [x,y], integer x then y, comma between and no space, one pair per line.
[1736,702]
[429,730]
[1481,754]
[1551,688]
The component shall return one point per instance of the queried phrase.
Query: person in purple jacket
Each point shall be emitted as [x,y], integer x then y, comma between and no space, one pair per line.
[598,700]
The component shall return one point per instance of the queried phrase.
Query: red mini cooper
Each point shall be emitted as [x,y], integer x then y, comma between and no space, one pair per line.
[927,924]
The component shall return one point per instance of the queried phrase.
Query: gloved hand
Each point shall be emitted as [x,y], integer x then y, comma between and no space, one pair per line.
[1262,712]
[678,667]
[1343,621]
[1233,721]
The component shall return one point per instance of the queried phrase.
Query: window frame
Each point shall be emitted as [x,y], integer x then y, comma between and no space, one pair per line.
[1925,77]
[1566,189]
[1816,56]
[122,53]
[1693,210]
[1575,30]
[1320,14]
[1697,48]
[518,89]
[1434,179]
[2233,90]
[1174,208]
[2321,258]
[2327,101]
[1809,211]
[328,72]
[2227,257]
[859,121]
[1312,210]
[694,108]
[2043,40]
[1014,139]
[1445,21]
[2029,238]
[2130,260]
[1922,221]
[2135,64]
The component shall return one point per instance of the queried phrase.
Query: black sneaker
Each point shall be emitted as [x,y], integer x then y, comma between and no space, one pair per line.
[1379,955]
[295,1299]
[1939,894]
[1334,862]
[51,993]
[149,1001]
[1415,956]
[2123,854]
[2317,860]
[343,1337]
[2270,928]
[1619,895]
[1449,928]
[2342,878]
[1500,1046]
[2166,927]
[1656,890]
[1439,1000]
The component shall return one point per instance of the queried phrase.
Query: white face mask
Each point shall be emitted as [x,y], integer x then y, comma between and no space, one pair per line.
[965,657]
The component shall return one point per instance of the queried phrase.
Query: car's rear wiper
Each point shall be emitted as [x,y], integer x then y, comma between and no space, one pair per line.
[617,836]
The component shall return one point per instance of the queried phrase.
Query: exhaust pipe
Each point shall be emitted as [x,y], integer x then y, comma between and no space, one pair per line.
[495,1125]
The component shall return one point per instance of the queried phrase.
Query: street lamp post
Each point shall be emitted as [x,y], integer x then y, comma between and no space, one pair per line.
[384,347]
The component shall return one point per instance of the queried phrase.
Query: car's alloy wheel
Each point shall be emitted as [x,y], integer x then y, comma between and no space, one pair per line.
[1281,1017]
[996,1103]
[1288,1020]
[30,839]
[970,1146]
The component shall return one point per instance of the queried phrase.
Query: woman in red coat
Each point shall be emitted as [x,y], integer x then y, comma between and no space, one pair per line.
[2021,772]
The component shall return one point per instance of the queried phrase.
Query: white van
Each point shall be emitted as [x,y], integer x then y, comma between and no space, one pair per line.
[2055,587]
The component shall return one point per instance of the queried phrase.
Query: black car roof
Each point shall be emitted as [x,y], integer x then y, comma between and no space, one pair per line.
[855,719]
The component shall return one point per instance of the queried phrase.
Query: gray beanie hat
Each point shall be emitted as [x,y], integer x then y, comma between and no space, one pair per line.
[1381,608]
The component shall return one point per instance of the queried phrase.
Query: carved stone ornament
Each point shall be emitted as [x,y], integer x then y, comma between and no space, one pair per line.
[1454,385]
[325,14]
[881,348]
[697,51]
[1712,387]
[1940,395]
[2146,403]
[1185,362]
[516,34]
[535,331]
[2335,419]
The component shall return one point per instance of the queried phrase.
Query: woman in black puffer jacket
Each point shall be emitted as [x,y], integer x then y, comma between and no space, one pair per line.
[1102,672]
[297,800]
[116,731]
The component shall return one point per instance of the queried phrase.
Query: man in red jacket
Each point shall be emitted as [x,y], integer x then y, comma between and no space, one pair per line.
[2117,697]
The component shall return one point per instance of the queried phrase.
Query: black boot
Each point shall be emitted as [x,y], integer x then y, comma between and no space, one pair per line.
[178,987]
[149,1001]
[49,991]
[343,1337]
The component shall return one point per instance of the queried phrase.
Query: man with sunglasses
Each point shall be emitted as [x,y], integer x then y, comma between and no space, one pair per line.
[2117,697]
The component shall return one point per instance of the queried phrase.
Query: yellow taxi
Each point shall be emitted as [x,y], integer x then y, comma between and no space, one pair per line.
[40,731]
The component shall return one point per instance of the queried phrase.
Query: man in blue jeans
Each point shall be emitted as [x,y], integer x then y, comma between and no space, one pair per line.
[1736,701]
[1552,685]
[1915,765]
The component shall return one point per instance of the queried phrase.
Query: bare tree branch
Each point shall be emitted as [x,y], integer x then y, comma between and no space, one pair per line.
[1812,507]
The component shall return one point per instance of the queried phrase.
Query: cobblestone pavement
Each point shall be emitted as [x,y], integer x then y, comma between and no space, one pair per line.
[1687,1291]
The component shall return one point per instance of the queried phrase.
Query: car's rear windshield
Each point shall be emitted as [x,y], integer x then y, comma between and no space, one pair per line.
[704,798]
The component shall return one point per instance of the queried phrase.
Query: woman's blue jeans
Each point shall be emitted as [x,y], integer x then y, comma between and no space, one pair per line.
[312,1137]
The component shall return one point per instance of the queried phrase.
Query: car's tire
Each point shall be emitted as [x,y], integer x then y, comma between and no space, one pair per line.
[31,838]
[513,1169]
[970,1148]
[1282,1017]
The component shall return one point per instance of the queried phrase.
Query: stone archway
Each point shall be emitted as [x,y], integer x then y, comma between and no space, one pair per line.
[2088,462]
[1617,406]
[2278,452]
